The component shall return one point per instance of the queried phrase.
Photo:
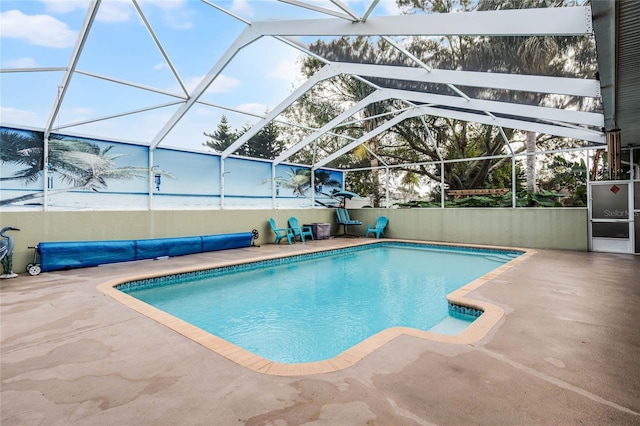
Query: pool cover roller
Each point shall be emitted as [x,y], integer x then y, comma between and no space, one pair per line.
[81,254]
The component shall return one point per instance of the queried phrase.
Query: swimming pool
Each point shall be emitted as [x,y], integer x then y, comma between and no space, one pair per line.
[309,308]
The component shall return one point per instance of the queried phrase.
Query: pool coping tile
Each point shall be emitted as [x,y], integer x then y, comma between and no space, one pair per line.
[476,331]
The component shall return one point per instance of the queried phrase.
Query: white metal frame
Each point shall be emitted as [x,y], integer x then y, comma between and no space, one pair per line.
[343,21]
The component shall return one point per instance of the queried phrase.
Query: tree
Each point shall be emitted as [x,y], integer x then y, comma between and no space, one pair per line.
[298,180]
[410,182]
[222,138]
[79,163]
[327,100]
[413,142]
[24,148]
[265,144]
[323,178]
[548,56]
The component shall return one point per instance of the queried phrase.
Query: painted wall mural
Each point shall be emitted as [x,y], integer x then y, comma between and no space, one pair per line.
[92,174]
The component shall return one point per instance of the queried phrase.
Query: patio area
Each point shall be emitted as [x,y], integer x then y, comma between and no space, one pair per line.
[566,352]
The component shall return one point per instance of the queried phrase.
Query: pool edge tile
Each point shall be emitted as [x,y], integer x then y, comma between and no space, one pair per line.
[476,331]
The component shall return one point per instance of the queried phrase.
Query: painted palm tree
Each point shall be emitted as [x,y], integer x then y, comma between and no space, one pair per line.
[322,179]
[298,180]
[23,148]
[79,163]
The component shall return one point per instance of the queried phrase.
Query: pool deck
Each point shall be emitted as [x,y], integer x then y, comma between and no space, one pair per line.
[566,351]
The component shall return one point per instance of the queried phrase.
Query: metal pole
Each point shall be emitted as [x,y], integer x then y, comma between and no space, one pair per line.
[222,173]
[387,185]
[513,182]
[151,178]
[442,184]
[45,150]
[589,212]
[273,186]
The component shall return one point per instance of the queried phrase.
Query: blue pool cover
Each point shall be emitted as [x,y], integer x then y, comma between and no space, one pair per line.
[81,254]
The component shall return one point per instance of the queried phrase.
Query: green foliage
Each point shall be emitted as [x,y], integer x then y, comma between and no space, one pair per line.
[265,144]
[418,204]
[523,199]
[569,178]
[222,138]
[425,140]
[533,199]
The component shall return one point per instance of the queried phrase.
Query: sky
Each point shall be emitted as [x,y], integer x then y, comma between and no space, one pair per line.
[194,35]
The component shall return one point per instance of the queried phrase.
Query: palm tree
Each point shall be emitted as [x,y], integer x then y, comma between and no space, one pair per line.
[298,180]
[23,148]
[82,165]
[411,180]
[323,178]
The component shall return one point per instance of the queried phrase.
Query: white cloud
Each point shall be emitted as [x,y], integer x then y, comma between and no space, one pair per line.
[222,84]
[165,4]
[178,20]
[160,66]
[254,108]
[390,7]
[287,70]
[242,6]
[66,6]
[25,62]
[175,12]
[19,117]
[114,11]
[41,30]
[206,112]
[73,115]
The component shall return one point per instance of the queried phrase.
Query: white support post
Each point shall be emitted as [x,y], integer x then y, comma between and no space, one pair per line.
[589,208]
[442,184]
[513,181]
[273,186]
[45,188]
[151,179]
[313,188]
[387,186]
[222,173]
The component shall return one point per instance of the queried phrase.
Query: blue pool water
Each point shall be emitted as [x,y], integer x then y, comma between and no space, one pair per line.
[314,309]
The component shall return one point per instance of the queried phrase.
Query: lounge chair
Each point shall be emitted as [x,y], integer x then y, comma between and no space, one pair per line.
[378,228]
[281,233]
[345,220]
[299,231]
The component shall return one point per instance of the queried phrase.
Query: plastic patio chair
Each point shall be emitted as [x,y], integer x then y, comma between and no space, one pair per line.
[378,228]
[281,233]
[345,220]
[300,231]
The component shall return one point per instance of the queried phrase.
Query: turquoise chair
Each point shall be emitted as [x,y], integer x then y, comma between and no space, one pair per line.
[281,233]
[345,220]
[378,228]
[299,231]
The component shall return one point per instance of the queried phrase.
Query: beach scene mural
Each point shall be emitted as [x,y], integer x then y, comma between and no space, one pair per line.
[91,174]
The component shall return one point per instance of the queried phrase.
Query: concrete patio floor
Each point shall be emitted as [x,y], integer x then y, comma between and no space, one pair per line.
[566,352]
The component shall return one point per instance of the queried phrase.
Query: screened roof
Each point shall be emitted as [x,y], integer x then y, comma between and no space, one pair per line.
[160,73]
